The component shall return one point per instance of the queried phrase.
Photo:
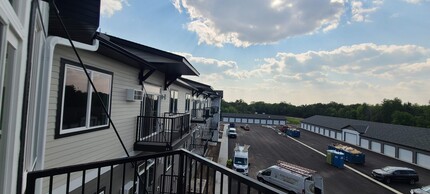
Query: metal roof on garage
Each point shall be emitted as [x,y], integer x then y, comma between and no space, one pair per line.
[415,137]
[254,116]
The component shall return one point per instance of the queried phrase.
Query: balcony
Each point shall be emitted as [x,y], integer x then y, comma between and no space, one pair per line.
[158,134]
[186,173]
[201,115]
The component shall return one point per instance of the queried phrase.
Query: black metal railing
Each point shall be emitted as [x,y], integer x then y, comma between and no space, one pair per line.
[202,113]
[165,129]
[178,171]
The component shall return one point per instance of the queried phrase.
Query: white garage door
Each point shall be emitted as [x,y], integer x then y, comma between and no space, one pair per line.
[390,151]
[257,121]
[231,120]
[276,122]
[376,147]
[351,138]
[238,120]
[282,123]
[225,119]
[339,136]
[423,160]
[364,143]
[405,155]
[321,131]
[333,134]
[250,121]
[327,132]
[244,120]
[269,122]
[263,121]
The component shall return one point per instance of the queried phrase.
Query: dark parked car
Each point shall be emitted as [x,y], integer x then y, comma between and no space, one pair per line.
[393,173]
[422,190]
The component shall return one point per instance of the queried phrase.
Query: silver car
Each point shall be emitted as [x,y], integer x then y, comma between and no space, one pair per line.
[422,190]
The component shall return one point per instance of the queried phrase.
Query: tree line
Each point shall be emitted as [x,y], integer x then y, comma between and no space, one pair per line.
[388,111]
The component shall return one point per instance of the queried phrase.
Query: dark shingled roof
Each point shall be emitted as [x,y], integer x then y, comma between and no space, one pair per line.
[415,137]
[256,116]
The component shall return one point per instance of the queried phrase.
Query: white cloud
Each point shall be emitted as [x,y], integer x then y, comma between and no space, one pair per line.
[207,61]
[248,22]
[109,7]
[416,1]
[348,74]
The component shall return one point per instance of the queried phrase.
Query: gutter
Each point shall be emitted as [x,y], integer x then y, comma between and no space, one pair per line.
[45,87]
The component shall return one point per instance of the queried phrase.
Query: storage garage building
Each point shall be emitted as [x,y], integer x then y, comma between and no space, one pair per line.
[262,119]
[410,144]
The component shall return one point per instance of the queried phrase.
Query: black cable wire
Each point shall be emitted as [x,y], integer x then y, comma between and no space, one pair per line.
[88,76]
[40,16]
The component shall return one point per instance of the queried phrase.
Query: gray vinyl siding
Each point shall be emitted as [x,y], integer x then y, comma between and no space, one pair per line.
[96,145]
[181,96]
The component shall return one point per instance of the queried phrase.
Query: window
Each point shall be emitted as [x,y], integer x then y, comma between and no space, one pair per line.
[173,107]
[81,109]
[187,102]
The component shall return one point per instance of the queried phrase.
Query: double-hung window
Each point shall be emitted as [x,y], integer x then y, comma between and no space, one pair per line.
[187,102]
[80,108]
[173,108]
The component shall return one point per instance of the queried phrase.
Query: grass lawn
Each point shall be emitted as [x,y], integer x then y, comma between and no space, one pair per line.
[294,120]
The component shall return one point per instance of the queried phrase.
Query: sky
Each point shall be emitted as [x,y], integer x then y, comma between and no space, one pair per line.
[293,51]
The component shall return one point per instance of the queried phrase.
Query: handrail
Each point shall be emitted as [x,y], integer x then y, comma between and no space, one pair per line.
[184,161]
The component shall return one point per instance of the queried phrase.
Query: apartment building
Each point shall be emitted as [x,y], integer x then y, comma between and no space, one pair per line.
[84,112]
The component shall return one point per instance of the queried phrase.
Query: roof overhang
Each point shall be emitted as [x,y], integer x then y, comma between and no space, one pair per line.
[171,64]
[81,18]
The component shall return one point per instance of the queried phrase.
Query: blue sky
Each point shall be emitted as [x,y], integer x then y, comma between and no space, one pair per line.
[294,51]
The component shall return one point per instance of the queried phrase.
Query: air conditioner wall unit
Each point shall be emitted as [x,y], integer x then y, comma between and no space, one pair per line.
[134,95]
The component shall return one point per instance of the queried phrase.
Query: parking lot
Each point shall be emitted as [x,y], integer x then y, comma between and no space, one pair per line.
[267,147]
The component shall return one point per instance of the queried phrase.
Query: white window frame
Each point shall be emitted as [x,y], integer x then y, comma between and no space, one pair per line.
[173,106]
[187,102]
[87,127]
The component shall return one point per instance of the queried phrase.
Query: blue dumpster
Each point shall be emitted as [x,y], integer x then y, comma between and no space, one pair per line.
[338,159]
[329,156]
[293,132]
[352,155]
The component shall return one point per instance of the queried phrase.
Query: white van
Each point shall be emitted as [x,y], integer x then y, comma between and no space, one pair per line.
[240,160]
[292,178]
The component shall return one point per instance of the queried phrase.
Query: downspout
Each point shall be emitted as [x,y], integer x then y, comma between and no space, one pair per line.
[28,70]
[45,87]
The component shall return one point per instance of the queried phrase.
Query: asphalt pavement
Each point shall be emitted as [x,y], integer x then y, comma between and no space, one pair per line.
[268,146]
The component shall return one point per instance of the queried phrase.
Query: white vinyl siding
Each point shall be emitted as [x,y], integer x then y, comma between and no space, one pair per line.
[405,155]
[390,151]
[97,145]
[182,92]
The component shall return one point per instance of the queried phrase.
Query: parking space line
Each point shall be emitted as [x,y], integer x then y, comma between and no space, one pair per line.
[350,168]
